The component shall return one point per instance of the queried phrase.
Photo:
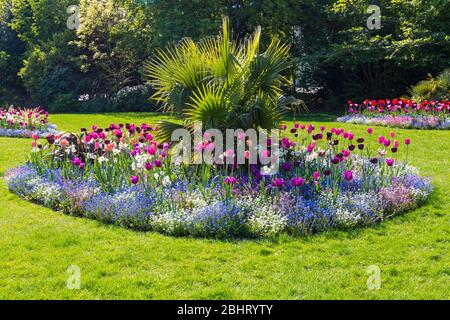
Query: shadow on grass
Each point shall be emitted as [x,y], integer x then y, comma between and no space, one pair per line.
[314,117]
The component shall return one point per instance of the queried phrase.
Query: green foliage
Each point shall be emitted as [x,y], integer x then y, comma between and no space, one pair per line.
[51,73]
[222,83]
[114,39]
[127,99]
[177,19]
[11,51]
[335,56]
[37,21]
[433,88]
[412,41]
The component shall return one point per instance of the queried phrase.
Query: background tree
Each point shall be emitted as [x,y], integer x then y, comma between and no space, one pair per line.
[115,38]
[412,41]
[11,55]
[335,56]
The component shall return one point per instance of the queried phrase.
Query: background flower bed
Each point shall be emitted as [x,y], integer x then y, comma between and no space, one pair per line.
[120,180]
[20,122]
[400,113]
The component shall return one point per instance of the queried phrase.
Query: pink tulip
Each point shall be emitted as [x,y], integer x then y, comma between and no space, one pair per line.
[229,153]
[210,147]
[230,180]
[346,153]
[396,143]
[316,175]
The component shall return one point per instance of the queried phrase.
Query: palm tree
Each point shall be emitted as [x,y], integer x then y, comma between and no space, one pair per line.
[220,82]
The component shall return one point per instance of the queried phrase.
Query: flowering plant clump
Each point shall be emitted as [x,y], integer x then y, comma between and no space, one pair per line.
[18,122]
[401,113]
[121,174]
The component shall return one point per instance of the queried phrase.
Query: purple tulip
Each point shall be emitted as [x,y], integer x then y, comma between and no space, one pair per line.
[348,175]
[297,182]
[390,162]
[278,182]
[287,166]
[76,161]
[134,179]
[230,181]
[51,138]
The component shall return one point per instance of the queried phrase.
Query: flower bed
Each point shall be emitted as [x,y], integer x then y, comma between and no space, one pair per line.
[400,113]
[26,123]
[328,179]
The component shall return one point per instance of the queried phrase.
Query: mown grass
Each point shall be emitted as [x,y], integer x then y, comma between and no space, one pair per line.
[38,245]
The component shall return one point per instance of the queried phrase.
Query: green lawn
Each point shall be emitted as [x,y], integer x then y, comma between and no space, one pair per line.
[38,245]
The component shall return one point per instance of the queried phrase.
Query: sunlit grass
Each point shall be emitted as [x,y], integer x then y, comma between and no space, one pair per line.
[38,244]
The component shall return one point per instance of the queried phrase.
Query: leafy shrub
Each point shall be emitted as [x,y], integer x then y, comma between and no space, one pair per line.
[64,102]
[132,99]
[52,76]
[128,99]
[433,88]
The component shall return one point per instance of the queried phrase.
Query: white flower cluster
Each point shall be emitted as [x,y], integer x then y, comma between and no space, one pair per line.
[418,195]
[347,217]
[44,192]
[140,160]
[265,220]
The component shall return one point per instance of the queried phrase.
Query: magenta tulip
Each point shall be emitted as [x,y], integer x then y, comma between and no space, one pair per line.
[134,179]
[297,182]
[348,175]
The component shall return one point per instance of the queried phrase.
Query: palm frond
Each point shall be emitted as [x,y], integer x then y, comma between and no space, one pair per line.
[208,107]
[165,130]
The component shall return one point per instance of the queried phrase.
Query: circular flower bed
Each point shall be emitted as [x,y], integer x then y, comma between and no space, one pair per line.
[328,179]
[399,113]
[25,123]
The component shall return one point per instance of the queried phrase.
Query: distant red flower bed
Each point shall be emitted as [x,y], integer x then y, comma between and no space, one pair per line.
[398,106]
[401,113]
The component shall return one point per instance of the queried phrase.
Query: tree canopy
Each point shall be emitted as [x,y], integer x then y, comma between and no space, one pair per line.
[335,56]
